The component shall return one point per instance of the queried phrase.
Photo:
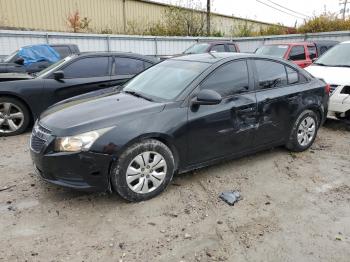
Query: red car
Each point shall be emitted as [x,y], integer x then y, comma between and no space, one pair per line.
[303,54]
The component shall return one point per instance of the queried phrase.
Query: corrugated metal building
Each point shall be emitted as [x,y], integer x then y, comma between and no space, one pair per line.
[117,16]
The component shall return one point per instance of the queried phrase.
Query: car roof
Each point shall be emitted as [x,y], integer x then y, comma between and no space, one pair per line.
[149,58]
[213,58]
[216,42]
[292,43]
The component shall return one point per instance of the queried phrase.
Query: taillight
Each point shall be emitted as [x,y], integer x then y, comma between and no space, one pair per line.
[328,89]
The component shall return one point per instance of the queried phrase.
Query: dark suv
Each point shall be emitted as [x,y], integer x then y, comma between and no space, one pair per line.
[181,114]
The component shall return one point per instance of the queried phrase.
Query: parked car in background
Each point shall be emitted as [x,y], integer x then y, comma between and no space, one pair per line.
[214,46]
[303,54]
[206,47]
[21,102]
[334,68]
[182,114]
[34,58]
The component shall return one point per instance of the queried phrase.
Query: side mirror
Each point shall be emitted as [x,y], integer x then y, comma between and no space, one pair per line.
[19,61]
[58,75]
[207,97]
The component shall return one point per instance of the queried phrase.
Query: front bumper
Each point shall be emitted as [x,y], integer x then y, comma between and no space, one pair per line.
[85,171]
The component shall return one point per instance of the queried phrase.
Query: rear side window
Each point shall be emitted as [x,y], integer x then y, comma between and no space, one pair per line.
[63,51]
[129,66]
[297,53]
[231,48]
[87,67]
[312,51]
[218,48]
[228,79]
[270,74]
[293,76]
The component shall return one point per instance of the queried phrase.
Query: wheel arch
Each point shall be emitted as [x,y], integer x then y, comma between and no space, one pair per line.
[164,138]
[32,116]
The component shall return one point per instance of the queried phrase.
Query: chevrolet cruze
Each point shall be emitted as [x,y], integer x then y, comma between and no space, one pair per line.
[179,115]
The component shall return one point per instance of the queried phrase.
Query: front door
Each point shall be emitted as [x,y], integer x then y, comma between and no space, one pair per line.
[81,76]
[216,131]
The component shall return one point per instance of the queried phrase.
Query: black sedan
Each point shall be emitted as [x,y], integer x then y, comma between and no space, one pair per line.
[21,102]
[181,114]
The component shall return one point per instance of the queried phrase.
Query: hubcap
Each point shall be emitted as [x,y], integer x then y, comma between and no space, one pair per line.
[306,131]
[11,117]
[146,172]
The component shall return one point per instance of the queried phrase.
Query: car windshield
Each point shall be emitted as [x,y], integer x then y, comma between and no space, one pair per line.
[197,49]
[166,80]
[53,67]
[272,50]
[337,56]
[9,58]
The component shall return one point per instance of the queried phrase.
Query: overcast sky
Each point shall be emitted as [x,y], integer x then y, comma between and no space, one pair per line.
[254,10]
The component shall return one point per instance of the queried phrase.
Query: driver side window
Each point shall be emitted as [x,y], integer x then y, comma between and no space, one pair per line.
[87,67]
[229,79]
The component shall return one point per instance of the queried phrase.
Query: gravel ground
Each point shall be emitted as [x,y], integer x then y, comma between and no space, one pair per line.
[295,207]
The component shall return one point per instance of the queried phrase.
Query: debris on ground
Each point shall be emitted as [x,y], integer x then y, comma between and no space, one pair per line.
[7,188]
[231,197]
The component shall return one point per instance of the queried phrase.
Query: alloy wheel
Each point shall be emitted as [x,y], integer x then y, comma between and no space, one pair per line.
[146,172]
[11,117]
[306,131]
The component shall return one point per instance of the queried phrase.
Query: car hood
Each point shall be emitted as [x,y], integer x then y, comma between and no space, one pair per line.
[92,113]
[332,75]
[14,76]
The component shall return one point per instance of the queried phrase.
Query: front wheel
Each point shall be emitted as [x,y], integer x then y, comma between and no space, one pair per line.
[14,116]
[143,171]
[303,132]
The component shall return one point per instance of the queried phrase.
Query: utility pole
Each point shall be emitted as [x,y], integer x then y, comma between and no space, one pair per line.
[208,17]
[343,10]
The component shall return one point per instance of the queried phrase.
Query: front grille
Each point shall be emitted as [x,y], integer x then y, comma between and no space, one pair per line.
[37,144]
[40,135]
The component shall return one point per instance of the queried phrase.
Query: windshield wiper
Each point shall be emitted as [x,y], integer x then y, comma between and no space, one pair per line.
[138,95]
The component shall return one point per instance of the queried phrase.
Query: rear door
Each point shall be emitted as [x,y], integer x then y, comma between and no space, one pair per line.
[82,75]
[125,68]
[221,130]
[297,54]
[278,93]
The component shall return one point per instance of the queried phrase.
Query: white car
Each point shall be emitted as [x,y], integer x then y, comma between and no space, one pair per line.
[334,68]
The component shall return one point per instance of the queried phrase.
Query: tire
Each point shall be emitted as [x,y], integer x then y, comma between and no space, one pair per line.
[302,127]
[14,119]
[146,179]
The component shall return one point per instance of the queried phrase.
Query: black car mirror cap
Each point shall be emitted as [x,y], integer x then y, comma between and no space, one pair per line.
[58,75]
[207,97]
[19,61]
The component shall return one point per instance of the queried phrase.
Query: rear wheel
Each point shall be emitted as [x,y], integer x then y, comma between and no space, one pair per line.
[14,116]
[143,171]
[303,132]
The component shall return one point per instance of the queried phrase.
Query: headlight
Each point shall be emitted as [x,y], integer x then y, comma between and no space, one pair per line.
[78,143]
